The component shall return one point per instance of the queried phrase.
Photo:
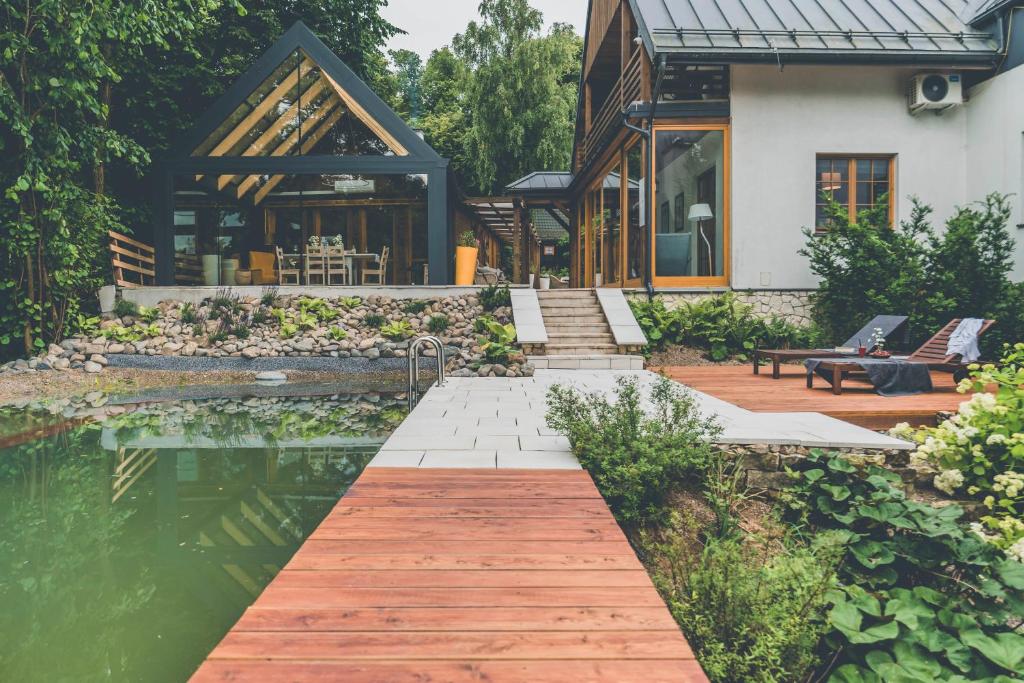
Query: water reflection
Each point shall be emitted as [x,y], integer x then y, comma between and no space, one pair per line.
[129,546]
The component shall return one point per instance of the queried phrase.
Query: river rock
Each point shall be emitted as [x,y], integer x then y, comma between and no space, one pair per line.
[92,367]
[271,376]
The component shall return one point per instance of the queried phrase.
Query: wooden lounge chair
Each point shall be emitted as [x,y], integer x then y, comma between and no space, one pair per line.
[932,353]
[890,325]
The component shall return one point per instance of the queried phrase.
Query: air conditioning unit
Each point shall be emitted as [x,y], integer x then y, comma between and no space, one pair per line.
[934,91]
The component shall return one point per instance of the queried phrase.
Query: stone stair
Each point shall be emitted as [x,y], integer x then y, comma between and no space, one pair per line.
[575,323]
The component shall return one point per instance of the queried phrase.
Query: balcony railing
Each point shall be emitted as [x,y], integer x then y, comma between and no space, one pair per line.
[606,123]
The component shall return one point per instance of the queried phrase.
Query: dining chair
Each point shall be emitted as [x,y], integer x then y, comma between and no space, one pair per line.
[285,269]
[315,265]
[337,265]
[380,272]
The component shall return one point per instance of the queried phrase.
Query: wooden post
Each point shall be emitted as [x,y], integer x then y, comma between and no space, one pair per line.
[517,245]
[524,249]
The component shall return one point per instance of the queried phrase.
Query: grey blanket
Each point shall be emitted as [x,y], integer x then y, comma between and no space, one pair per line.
[890,377]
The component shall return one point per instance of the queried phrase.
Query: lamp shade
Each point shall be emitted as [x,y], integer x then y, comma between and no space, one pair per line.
[700,212]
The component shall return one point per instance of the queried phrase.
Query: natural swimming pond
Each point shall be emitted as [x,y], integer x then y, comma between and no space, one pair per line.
[131,542]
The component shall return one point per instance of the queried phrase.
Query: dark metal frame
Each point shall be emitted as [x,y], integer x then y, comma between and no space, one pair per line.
[421,158]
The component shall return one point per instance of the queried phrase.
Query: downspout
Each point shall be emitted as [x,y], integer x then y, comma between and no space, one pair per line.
[646,133]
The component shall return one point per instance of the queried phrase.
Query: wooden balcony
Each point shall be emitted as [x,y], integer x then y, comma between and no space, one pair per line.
[608,120]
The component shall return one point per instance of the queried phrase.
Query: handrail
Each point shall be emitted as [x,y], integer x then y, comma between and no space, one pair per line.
[414,366]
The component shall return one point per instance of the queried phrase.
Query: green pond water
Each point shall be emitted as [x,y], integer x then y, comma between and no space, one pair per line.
[130,544]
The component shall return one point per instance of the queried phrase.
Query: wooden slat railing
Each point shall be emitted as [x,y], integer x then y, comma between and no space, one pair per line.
[134,262]
[609,118]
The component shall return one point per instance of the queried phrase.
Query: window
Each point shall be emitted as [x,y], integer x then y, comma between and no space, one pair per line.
[857,183]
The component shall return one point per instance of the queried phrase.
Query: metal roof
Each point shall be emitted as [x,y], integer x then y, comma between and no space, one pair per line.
[848,29]
[979,10]
[548,229]
[541,181]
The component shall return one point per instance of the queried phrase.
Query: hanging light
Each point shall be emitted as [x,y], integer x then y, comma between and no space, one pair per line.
[831,181]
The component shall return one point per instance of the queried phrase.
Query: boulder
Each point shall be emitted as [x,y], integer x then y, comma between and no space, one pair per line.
[92,367]
[250,352]
[98,359]
[271,376]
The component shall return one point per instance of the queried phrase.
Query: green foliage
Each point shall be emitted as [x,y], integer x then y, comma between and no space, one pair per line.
[148,315]
[397,330]
[260,316]
[867,268]
[498,342]
[636,456]
[467,238]
[122,334]
[720,325]
[86,326]
[749,615]
[495,296]
[481,323]
[288,330]
[188,313]
[374,320]
[125,308]
[217,336]
[415,307]
[520,88]
[269,298]
[318,308]
[438,323]
[307,321]
[337,334]
[279,315]
[349,302]
[240,331]
[922,597]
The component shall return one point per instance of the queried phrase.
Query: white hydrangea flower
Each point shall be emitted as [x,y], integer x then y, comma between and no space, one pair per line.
[948,481]
[995,439]
[1016,551]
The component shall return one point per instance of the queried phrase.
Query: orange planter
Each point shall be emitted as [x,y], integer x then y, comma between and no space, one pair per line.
[465,265]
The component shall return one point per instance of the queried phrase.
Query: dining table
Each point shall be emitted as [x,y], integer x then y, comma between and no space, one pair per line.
[354,258]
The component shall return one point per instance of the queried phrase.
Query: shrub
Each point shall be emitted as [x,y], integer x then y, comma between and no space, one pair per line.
[240,331]
[318,308]
[307,321]
[148,315]
[495,296]
[122,334]
[217,336]
[867,268]
[260,316]
[289,330]
[279,315]
[397,330]
[720,325]
[188,313]
[922,597]
[498,344]
[124,308]
[415,307]
[636,457]
[349,302]
[750,616]
[269,297]
[337,334]
[480,324]
[86,326]
[375,320]
[437,323]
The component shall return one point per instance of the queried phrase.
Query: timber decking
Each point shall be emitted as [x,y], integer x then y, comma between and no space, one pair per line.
[460,575]
[858,404]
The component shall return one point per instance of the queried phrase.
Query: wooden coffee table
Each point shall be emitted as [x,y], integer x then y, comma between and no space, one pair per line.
[777,356]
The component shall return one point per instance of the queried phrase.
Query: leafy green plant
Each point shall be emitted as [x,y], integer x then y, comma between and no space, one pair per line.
[86,326]
[337,334]
[495,296]
[397,330]
[288,330]
[217,336]
[349,302]
[318,308]
[260,316]
[125,308]
[279,315]
[307,321]
[638,447]
[188,313]
[415,307]
[151,330]
[467,238]
[240,331]
[269,297]
[498,344]
[480,324]
[437,323]
[922,597]
[148,315]
[374,320]
[122,334]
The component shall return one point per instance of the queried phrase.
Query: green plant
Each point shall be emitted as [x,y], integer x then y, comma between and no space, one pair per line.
[498,344]
[495,296]
[318,308]
[148,315]
[337,334]
[260,316]
[480,324]
[122,334]
[217,336]
[415,306]
[467,238]
[269,297]
[748,613]
[240,331]
[151,330]
[349,302]
[638,448]
[86,326]
[374,320]
[397,330]
[125,308]
[279,315]
[188,313]
[288,330]
[307,321]
[922,597]
[437,323]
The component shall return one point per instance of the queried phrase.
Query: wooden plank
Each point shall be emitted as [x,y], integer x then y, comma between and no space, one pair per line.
[509,546]
[307,145]
[356,108]
[458,619]
[481,578]
[308,558]
[577,671]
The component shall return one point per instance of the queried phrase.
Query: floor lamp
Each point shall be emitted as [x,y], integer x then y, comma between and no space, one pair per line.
[698,214]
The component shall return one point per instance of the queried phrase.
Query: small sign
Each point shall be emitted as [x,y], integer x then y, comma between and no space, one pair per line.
[354,185]
[549,250]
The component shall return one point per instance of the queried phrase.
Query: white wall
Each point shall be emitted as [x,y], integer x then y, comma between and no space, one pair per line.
[995,147]
[782,120]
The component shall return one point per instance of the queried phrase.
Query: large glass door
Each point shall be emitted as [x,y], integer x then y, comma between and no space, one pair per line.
[611,219]
[691,206]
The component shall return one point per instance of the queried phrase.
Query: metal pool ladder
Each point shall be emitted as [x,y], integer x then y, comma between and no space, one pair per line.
[414,366]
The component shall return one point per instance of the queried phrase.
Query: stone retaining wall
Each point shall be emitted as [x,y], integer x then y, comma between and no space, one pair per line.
[794,305]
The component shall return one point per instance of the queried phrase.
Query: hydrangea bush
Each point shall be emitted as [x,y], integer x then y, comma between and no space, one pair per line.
[979,451]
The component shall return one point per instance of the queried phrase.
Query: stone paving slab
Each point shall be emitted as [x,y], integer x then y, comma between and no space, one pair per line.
[499,422]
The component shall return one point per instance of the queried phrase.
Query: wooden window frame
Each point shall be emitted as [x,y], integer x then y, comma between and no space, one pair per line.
[851,175]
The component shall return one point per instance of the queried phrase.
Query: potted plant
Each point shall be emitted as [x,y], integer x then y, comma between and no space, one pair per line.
[465,258]
[545,278]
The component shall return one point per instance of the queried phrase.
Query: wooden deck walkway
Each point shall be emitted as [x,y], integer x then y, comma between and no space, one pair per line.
[858,404]
[460,575]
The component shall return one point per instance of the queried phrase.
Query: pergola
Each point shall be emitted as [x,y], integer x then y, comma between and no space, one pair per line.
[508,218]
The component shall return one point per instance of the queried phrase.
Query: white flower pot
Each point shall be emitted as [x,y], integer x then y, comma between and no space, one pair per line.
[531,279]
[211,270]
[545,282]
[108,297]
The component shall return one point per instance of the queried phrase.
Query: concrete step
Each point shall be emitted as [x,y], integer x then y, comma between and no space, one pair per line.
[595,335]
[574,328]
[579,349]
[569,309]
[574,320]
[566,294]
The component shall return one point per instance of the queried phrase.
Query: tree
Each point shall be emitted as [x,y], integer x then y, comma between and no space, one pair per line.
[521,89]
[408,76]
[444,118]
[57,62]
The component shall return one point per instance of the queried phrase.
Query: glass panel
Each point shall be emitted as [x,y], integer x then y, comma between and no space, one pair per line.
[689,191]
[612,219]
[596,238]
[219,233]
[297,110]
[635,177]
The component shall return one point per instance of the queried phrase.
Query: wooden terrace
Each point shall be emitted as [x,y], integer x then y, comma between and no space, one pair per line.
[858,404]
[460,575]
